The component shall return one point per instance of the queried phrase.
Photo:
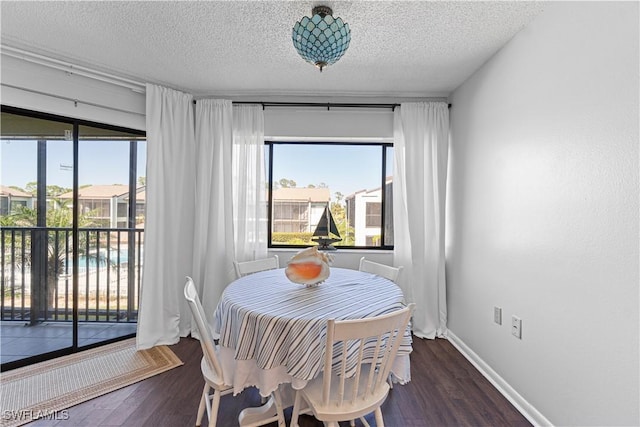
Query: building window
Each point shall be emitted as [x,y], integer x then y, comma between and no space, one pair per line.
[352,179]
[291,216]
[374,214]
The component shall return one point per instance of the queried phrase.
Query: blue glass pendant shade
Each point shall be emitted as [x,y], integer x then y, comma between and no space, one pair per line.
[322,39]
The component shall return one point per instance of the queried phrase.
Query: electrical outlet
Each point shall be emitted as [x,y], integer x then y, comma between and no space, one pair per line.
[516,327]
[497,315]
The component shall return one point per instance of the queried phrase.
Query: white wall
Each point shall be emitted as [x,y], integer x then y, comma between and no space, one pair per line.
[97,101]
[543,213]
[341,258]
[337,124]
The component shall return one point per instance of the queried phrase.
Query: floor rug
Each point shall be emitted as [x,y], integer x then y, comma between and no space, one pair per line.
[45,390]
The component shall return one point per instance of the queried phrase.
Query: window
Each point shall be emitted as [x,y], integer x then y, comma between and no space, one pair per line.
[68,229]
[374,210]
[353,180]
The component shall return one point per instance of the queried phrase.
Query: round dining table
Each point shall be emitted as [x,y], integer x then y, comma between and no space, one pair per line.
[272,331]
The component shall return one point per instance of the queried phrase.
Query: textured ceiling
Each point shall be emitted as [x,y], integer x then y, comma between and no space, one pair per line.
[236,48]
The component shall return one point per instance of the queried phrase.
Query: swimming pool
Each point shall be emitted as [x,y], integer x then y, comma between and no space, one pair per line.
[114,258]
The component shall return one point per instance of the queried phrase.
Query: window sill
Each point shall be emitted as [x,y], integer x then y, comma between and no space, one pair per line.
[351,251]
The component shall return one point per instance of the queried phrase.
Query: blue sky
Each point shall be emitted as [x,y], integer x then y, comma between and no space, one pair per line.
[101,162]
[344,168]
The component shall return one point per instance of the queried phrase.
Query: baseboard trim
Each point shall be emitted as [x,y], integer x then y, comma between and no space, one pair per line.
[525,408]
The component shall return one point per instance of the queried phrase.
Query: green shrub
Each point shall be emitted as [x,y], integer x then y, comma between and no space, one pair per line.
[282,238]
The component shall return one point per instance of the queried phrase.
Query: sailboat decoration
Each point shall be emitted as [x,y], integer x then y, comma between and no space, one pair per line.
[326,232]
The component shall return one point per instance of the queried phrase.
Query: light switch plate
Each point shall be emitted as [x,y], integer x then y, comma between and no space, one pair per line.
[497,315]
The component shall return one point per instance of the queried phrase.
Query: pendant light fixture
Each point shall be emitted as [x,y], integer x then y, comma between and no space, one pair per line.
[322,39]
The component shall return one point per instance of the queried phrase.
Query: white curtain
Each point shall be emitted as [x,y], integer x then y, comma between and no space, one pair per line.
[250,209]
[169,217]
[421,143]
[205,205]
[213,239]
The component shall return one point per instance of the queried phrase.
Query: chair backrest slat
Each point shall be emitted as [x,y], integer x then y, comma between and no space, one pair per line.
[374,381]
[382,270]
[343,368]
[247,267]
[356,380]
[328,358]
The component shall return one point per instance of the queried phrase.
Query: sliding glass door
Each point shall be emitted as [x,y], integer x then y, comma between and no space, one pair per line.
[72,217]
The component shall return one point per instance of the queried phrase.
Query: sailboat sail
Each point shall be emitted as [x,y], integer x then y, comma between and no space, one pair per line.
[326,226]
[333,228]
[326,231]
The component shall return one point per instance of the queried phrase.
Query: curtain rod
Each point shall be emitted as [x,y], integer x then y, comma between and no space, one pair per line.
[327,105]
[75,101]
[70,68]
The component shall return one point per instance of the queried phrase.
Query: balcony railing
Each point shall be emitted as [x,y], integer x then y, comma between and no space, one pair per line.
[37,274]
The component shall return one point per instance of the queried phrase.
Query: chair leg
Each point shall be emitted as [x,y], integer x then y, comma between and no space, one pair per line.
[379,420]
[279,409]
[296,410]
[203,403]
[215,404]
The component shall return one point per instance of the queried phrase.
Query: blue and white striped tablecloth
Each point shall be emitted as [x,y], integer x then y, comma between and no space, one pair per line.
[264,317]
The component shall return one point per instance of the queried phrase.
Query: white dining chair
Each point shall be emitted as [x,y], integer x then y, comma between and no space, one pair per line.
[383,270]
[347,391]
[210,366]
[247,267]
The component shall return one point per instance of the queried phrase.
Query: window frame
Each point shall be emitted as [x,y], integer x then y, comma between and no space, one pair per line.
[384,147]
[75,345]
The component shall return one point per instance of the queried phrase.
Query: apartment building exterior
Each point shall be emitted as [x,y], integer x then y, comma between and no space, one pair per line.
[11,199]
[108,205]
[298,210]
[364,215]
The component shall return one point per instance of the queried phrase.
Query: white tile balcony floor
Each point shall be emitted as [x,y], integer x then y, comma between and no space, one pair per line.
[18,340]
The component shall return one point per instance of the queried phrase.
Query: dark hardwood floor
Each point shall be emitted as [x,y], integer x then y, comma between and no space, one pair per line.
[445,390]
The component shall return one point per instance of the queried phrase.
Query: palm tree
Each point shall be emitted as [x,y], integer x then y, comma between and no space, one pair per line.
[59,241]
